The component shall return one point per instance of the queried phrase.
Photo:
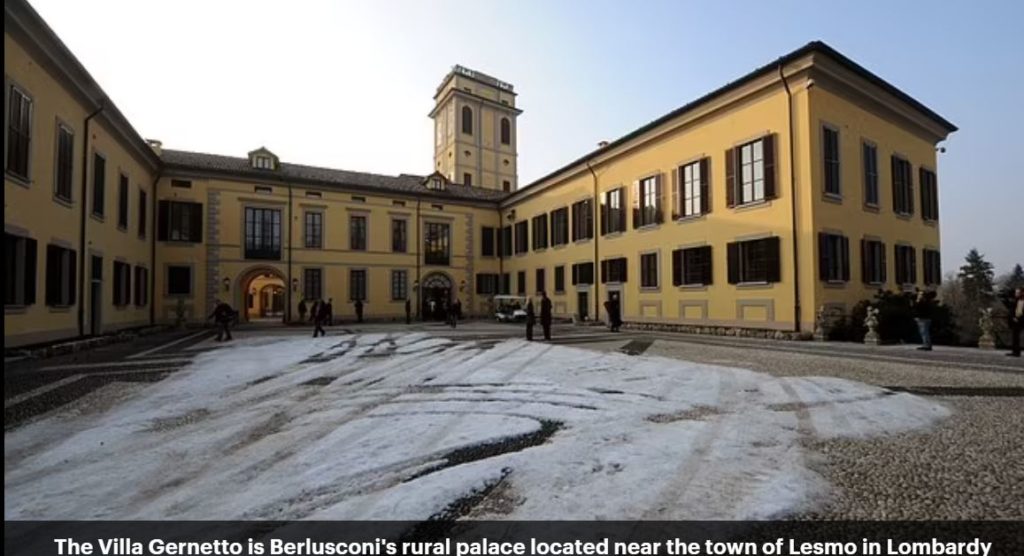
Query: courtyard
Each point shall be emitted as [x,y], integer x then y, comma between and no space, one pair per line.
[425,422]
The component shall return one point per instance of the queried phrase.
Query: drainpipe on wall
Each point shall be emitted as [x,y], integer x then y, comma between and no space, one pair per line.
[597,235]
[152,252]
[84,215]
[288,284]
[793,205]
[499,237]
[419,302]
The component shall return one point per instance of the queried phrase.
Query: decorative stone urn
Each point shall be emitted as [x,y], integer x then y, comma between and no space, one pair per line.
[987,339]
[871,322]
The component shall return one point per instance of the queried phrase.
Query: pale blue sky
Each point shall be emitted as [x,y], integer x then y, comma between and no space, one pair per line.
[349,84]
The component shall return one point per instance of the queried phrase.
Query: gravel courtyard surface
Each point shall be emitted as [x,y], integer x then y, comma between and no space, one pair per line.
[414,426]
[968,466]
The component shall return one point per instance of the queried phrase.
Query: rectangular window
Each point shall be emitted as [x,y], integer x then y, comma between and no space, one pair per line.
[583,273]
[521,282]
[613,211]
[872,255]
[692,266]
[180,221]
[179,280]
[314,230]
[906,265]
[122,283]
[755,261]
[122,202]
[99,184]
[833,258]
[750,172]
[19,270]
[540,232]
[929,196]
[312,283]
[486,284]
[19,132]
[647,202]
[541,280]
[143,212]
[183,184]
[649,270]
[141,286]
[487,241]
[583,220]
[506,284]
[357,285]
[399,236]
[870,175]
[506,241]
[60,276]
[399,285]
[65,162]
[559,279]
[932,267]
[692,193]
[262,233]
[467,179]
[522,242]
[560,226]
[437,244]
[830,161]
[357,233]
[613,270]
[902,187]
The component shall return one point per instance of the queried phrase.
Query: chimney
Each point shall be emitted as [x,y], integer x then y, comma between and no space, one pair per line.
[157,146]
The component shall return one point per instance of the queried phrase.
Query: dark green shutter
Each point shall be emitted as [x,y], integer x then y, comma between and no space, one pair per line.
[733,254]
[53,275]
[31,258]
[730,179]
[823,257]
[196,223]
[845,258]
[774,266]
[705,169]
[865,273]
[163,220]
[708,276]
[769,166]
[677,267]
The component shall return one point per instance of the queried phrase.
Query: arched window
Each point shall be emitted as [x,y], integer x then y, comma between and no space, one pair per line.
[467,120]
[506,131]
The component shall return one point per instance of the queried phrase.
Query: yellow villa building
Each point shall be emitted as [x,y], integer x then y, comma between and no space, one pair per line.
[809,182]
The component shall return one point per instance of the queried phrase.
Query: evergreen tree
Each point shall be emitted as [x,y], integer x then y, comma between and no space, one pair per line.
[977,277]
[1015,279]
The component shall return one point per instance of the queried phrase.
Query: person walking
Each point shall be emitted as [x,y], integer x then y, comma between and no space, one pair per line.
[1016,323]
[924,309]
[359,310]
[545,315]
[408,312]
[458,309]
[531,320]
[222,315]
[302,310]
[614,313]
[452,314]
[319,317]
[329,312]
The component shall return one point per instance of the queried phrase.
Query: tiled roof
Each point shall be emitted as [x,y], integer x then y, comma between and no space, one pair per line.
[299,174]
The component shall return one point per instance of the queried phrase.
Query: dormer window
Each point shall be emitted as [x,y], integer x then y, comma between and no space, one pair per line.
[436,182]
[262,159]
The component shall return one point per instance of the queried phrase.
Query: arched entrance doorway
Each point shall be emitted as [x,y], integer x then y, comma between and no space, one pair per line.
[264,296]
[436,293]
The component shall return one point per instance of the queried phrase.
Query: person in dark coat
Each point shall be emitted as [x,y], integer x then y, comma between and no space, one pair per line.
[531,320]
[329,312]
[223,315]
[452,315]
[458,309]
[924,309]
[1016,323]
[302,310]
[319,317]
[359,310]
[314,310]
[614,309]
[408,312]
[545,315]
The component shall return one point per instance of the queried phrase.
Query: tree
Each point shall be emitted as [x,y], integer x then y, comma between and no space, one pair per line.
[976,278]
[1013,280]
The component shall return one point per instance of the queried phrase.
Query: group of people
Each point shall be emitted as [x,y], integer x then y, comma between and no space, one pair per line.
[320,314]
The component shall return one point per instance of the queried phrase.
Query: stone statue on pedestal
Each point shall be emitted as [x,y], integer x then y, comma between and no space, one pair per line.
[987,339]
[871,322]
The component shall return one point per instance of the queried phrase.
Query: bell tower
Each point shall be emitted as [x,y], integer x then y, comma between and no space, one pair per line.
[475,130]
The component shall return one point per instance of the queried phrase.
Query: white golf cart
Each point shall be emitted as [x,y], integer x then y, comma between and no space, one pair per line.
[510,308]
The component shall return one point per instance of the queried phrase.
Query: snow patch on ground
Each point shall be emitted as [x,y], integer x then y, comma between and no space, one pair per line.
[360,426]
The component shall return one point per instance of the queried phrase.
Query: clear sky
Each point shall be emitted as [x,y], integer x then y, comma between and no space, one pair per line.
[349,84]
